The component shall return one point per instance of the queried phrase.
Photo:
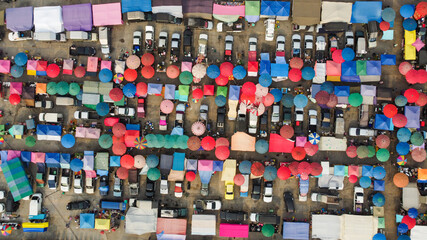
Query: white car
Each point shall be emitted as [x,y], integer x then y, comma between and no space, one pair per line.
[252,44]
[203,45]
[65,180]
[212,205]
[358,199]
[90,185]
[164,187]
[299,114]
[280,43]
[308,42]
[149,37]
[349,39]
[18,36]
[320,43]
[296,45]
[176,37]
[36,204]
[163,39]
[362,132]
[129,112]
[229,42]
[178,190]
[268,192]
[78,184]
[204,109]
[253,123]
[137,36]
[275,115]
[312,114]
[269,29]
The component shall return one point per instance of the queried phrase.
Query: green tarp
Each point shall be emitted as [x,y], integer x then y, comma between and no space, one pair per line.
[16,179]
[252,8]
[361,68]
[183,90]
[220,90]
[101,161]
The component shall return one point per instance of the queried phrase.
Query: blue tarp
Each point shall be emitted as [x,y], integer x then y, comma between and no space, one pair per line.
[383,123]
[303,186]
[218,165]
[275,8]
[52,160]
[154,88]
[365,11]
[3,155]
[50,130]
[114,161]
[315,88]
[388,59]
[296,230]
[64,160]
[373,67]
[87,220]
[205,176]
[177,131]
[102,172]
[25,157]
[136,5]
[379,185]
[348,68]
[178,161]
[265,64]
[279,70]
[367,170]
[113,205]
[136,127]
[339,170]
[350,79]
[342,91]
[234,92]
[170,91]
[412,113]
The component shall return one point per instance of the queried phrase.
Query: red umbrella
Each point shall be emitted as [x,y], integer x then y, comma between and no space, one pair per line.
[404,67]
[14,99]
[79,72]
[383,141]
[422,100]
[190,176]
[304,176]
[295,75]
[351,151]
[296,62]
[287,131]
[147,59]
[322,97]
[172,71]
[390,110]
[222,152]
[293,167]
[193,143]
[384,26]
[116,94]
[412,95]
[409,221]
[141,89]
[412,76]
[119,129]
[249,88]
[222,142]
[167,106]
[283,173]
[148,72]
[119,148]
[352,179]
[316,168]
[298,153]
[247,98]
[53,70]
[226,69]
[127,161]
[422,76]
[418,154]
[122,173]
[268,99]
[310,148]
[337,56]
[399,120]
[208,143]
[304,168]
[239,179]
[197,93]
[221,80]
[130,75]
[333,101]
[257,169]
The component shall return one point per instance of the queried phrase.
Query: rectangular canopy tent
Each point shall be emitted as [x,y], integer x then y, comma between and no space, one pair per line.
[197,8]
[419,232]
[320,69]
[16,179]
[141,220]
[306,12]
[38,157]
[154,88]
[412,113]
[279,144]
[296,230]
[365,11]
[234,230]
[252,10]
[204,225]
[101,161]
[64,160]
[410,52]
[105,64]
[228,13]
[241,141]
[326,227]
[48,19]
[383,123]
[87,220]
[92,64]
[102,224]
[107,14]
[52,160]
[170,91]
[355,227]
[49,132]
[279,9]
[388,59]
[229,170]
[336,12]
[67,67]
[332,144]
[234,92]
[77,17]
[19,19]
[4,66]
[11,154]
[173,7]
[136,6]
[171,226]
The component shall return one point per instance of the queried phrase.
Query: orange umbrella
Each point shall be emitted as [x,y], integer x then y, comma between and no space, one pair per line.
[172,71]
[119,148]
[390,110]
[286,131]
[130,75]
[122,173]
[147,59]
[257,169]
[296,62]
[127,161]
[193,143]
[268,99]
[147,72]
[400,180]
[298,153]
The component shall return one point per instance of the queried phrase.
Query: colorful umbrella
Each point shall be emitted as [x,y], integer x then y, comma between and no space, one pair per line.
[172,71]
[140,143]
[118,78]
[314,138]
[407,11]
[277,93]
[167,106]
[298,153]
[6,230]
[401,160]
[379,173]
[220,100]
[316,169]
[1,140]
[16,71]
[348,54]
[257,169]
[287,100]
[21,59]
[141,89]
[268,100]
[267,230]
[328,87]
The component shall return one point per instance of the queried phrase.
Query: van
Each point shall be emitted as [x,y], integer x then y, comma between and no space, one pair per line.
[104,40]
[82,35]
[51,117]
[64,101]
[35,204]
[49,36]
[361,43]
[137,16]
[362,132]
[253,123]
[113,205]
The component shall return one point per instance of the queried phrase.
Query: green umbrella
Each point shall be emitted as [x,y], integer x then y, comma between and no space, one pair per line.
[267,230]
[355,99]
[30,141]
[169,141]
[186,77]
[362,151]
[51,88]
[417,139]
[62,88]
[153,174]
[183,142]
[160,140]
[383,155]
[74,89]
[151,140]
[371,151]
[105,141]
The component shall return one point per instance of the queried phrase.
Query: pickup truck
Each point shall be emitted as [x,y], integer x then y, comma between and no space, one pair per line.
[233,216]
[51,117]
[90,115]
[133,182]
[328,199]
[173,213]
[188,42]
[358,199]
[198,23]
[220,121]
[265,218]
[201,205]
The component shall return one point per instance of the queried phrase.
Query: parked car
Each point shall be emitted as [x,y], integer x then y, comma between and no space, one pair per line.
[256,189]
[52,179]
[178,190]
[270,26]
[326,118]
[229,190]
[362,132]
[51,117]
[299,114]
[358,199]
[289,202]
[117,187]
[150,189]
[372,30]
[268,192]
[35,204]
[253,123]
[320,48]
[252,44]
[164,186]
[179,116]
[78,184]
[333,43]
[339,122]
[203,45]
[263,125]
[104,39]
[312,114]
[296,45]
[275,114]
[308,47]
[20,36]
[149,37]
[175,47]
[90,185]
[204,191]
[349,39]
[173,212]
[204,109]
[65,180]
[228,47]
[207,205]
[124,111]
[44,104]
[162,44]
[82,51]
[133,180]
[241,123]
[78,205]
[163,123]
[137,38]
[104,185]
[188,42]
[220,121]
[233,216]
[89,115]
[361,43]
[280,43]
[198,23]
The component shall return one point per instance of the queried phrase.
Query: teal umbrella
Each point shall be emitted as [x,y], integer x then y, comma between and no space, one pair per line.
[153,174]
[383,155]
[74,89]
[186,77]
[62,88]
[160,141]
[51,88]
[417,139]
[355,99]
[151,140]
[105,141]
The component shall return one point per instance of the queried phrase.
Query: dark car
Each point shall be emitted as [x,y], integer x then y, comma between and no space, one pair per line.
[198,23]
[220,121]
[150,188]
[287,116]
[422,188]
[104,185]
[167,18]
[263,125]
[79,205]
[233,216]
[188,42]
[256,189]
[241,124]
[326,118]
[83,51]
[289,202]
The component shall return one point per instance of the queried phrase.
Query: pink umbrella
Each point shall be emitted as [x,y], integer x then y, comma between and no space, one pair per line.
[418,44]
[310,148]
[422,100]
[337,56]
[418,154]
[198,128]
[220,142]
[268,100]
[422,76]
[166,106]
[322,97]
[404,67]
[260,90]
[239,179]
[333,101]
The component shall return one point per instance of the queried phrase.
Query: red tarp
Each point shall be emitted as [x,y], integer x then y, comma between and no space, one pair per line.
[252,66]
[130,137]
[92,64]
[280,144]
[252,56]
[208,90]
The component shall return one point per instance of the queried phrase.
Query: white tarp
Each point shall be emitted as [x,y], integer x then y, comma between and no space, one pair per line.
[331,182]
[141,220]
[175,11]
[410,197]
[326,227]
[332,144]
[370,78]
[419,232]
[356,227]
[320,69]
[203,225]
[89,98]
[336,12]
[48,19]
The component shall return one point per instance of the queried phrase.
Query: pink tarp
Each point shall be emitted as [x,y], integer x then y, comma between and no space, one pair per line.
[92,64]
[107,14]
[130,136]
[67,67]
[233,230]
[205,165]
[241,141]
[38,157]
[31,65]
[300,141]
[106,64]
[333,68]
[229,10]
[353,170]
[186,66]
[279,144]
[11,154]
[90,173]
[4,66]
[91,133]
[15,88]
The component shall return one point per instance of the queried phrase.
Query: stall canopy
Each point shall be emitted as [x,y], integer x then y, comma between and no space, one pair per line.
[252,9]
[48,19]
[296,230]
[280,144]
[168,227]
[204,225]
[141,220]
[229,170]
[197,8]
[358,227]
[412,113]
[241,141]
[173,7]
[16,179]
[52,160]
[77,17]
[19,19]
[326,227]
[136,5]
[228,13]
[336,12]
[306,12]
[233,230]
[87,220]
[365,11]
[49,132]
[279,9]
[383,123]
[107,14]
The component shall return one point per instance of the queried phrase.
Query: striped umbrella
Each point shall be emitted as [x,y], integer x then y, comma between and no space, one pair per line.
[140,143]
[118,78]
[314,138]
[401,160]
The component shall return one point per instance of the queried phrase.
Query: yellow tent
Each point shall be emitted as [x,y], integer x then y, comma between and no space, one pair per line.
[102,224]
[410,51]
[229,170]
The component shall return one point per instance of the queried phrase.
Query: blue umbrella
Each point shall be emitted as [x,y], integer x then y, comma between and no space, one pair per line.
[68,141]
[129,90]
[348,54]
[379,173]
[288,100]
[379,236]
[403,134]
[245,167]
[277,94]
[409,24]
[270,173]
[152,161]
[239,72]
[314,138]
[407,10]
[400,101]
[16,71]
[261,146]
[105,75]
[378,199]
[328,87]
[413,213]
[402,228]
[76,165]
[308,73]
[402,148]
[220,101]
[365,182]
[21,59]
[213,71]
[300,101]
[80,95]
[388,14]
[403,237]
[102,109]
[265,80]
